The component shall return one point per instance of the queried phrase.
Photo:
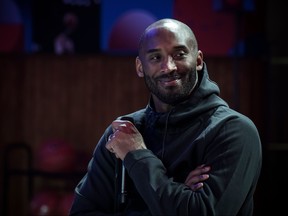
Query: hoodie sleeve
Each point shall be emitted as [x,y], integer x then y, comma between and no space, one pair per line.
[94,194]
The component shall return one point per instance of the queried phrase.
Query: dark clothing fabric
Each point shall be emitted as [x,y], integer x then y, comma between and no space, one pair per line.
[201,130]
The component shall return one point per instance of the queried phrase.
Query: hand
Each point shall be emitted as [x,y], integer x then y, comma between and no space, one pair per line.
[125,138]
[196,177]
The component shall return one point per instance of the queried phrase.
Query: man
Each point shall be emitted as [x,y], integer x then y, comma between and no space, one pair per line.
[186,153]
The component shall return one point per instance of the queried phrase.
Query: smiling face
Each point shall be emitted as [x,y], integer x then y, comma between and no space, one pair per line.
[168,60]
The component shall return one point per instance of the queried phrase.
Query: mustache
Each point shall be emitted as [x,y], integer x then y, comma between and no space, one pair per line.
[173,75]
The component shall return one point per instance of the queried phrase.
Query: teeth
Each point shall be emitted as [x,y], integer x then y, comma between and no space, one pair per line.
[170,78]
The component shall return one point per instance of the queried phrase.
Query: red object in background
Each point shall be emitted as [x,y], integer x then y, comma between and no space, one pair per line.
[11,38]
[11,27]
[56,156]
[51,203]
[65,203]
[215,31]
[44,203]
[233,3]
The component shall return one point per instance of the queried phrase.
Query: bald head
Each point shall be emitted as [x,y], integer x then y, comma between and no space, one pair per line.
[173,26]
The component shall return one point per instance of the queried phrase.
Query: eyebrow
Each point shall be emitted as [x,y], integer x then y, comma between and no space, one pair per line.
[152,51]
[174,48]
[181,47]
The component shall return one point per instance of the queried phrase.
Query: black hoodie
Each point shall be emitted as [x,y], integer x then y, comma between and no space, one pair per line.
[201,130]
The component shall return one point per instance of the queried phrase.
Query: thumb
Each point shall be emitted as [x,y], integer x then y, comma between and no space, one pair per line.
[124,126]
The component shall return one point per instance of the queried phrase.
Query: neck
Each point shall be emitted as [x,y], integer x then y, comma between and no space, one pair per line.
[159,106]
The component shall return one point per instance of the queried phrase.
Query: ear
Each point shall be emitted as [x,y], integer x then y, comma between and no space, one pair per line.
[139,68]
[199,61]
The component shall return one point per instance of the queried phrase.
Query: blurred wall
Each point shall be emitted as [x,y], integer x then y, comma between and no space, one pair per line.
[74,98]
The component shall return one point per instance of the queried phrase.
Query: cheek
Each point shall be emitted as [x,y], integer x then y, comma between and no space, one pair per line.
[151,70]
[187,66]
[182,68]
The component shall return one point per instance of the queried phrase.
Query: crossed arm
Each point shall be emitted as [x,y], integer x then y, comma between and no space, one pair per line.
[127,138]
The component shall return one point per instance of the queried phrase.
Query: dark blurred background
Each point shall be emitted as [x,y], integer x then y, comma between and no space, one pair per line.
[67,70]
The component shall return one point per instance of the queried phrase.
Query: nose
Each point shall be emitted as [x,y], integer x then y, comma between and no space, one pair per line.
[168,65]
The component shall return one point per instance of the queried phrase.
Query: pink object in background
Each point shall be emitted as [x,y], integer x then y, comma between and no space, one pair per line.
[127,30]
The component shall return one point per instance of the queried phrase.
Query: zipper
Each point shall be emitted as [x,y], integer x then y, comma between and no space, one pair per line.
[165,134]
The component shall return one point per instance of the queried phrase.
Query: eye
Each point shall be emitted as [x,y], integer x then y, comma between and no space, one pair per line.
[180,55]
[154,57]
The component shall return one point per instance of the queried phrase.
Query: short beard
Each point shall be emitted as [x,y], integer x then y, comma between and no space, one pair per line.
[174,98]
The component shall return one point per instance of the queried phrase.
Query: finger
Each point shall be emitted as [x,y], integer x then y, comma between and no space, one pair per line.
[124,126]
[111,143]
[111,136]
[197,186]
[108,144]
[196,179]
[198,171]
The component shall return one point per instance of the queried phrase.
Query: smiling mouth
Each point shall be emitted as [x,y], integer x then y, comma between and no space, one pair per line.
[170,80]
